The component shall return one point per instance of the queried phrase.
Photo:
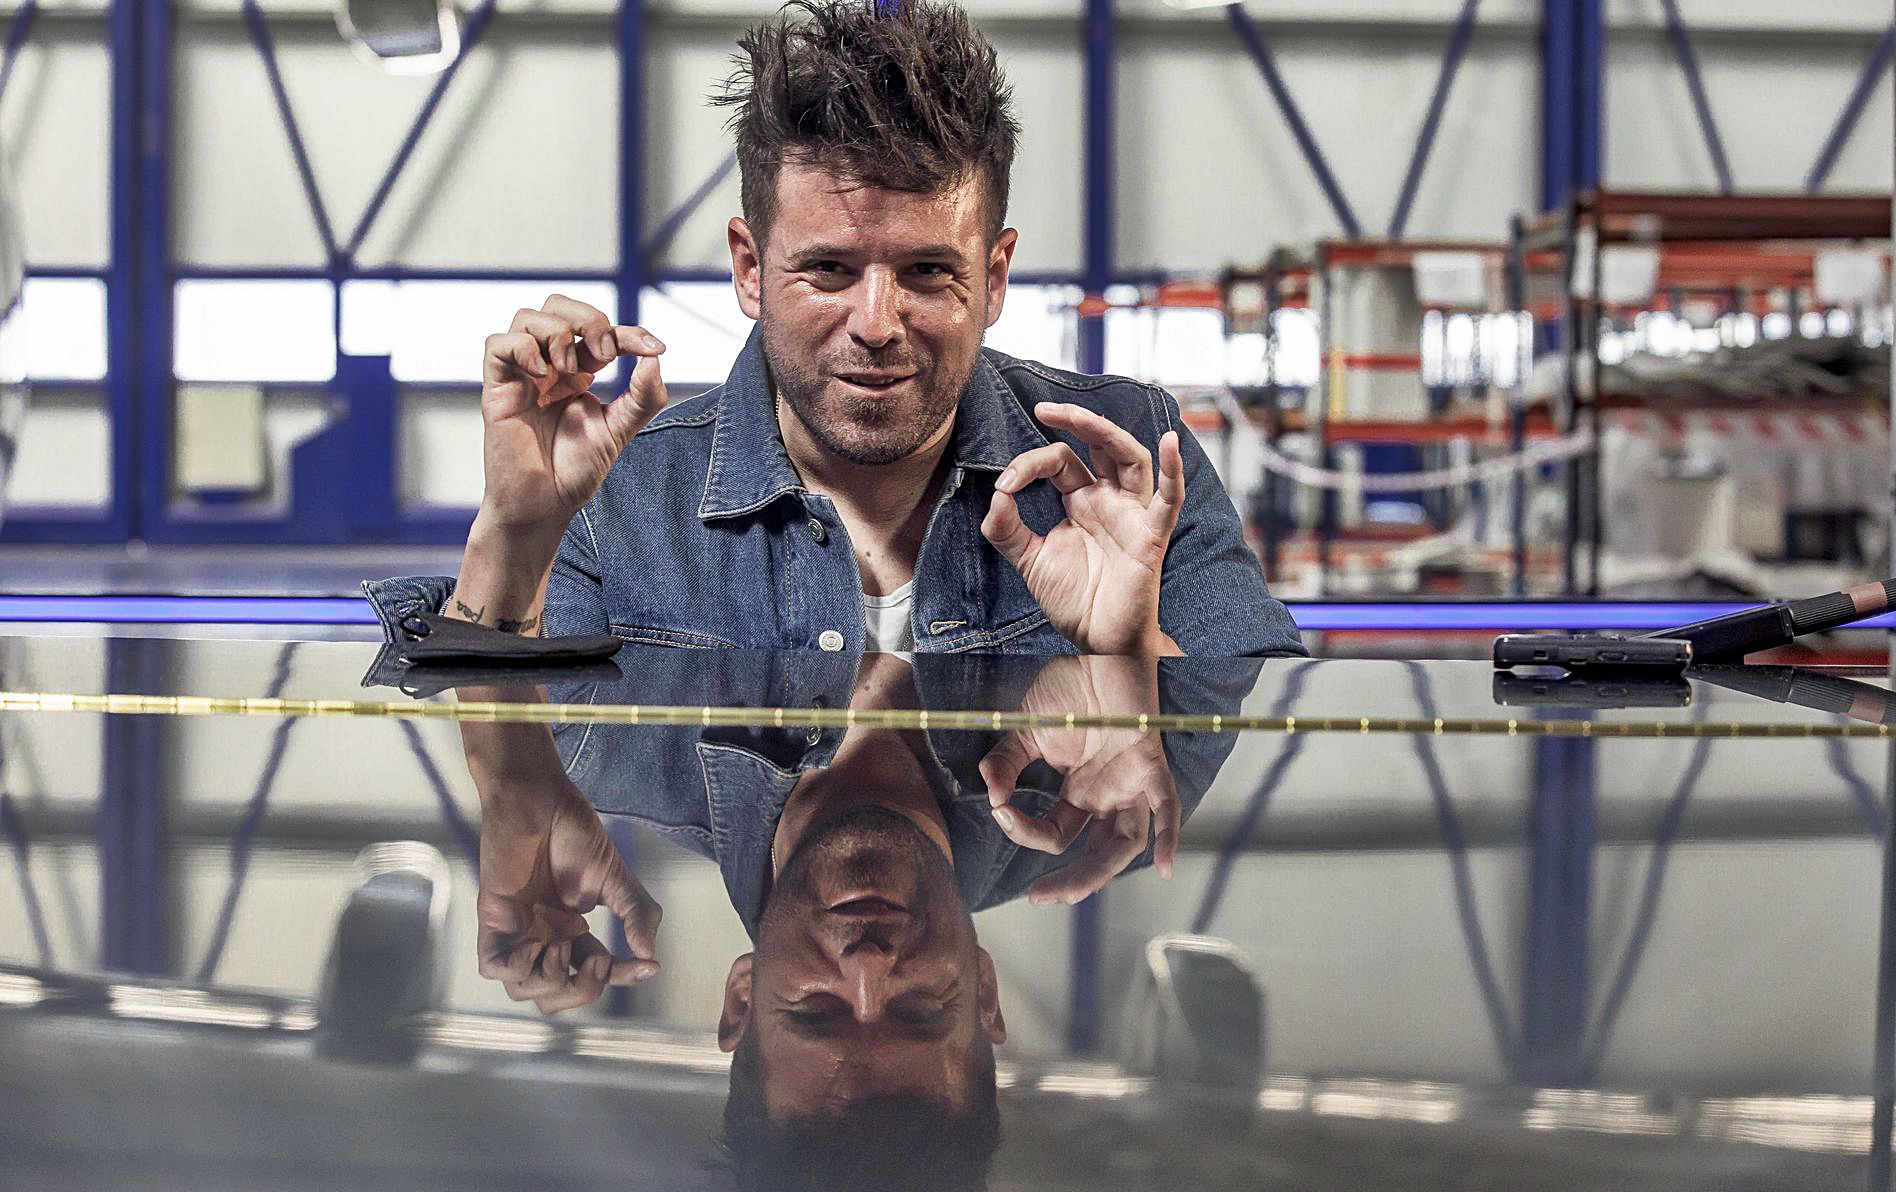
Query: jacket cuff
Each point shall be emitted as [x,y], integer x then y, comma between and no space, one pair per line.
[395,600]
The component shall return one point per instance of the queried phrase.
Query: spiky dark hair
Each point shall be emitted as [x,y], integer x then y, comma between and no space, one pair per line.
[895,94]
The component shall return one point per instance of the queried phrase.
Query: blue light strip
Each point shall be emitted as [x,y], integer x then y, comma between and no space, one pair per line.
[1527,615]
[190,610]
[1419,616]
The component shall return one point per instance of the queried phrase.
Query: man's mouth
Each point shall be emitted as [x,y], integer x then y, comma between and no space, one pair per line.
[866,905]
[873,382]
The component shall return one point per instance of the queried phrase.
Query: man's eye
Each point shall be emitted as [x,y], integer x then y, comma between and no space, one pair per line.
[920,1015]
[823,267]
[932,269]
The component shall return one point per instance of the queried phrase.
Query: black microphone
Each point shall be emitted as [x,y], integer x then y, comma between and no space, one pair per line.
[1734,635]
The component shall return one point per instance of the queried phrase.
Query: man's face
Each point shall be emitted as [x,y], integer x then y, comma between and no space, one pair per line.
[872,304]
[867,980]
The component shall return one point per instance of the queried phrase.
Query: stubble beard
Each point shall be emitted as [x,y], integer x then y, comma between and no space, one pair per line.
[863,430]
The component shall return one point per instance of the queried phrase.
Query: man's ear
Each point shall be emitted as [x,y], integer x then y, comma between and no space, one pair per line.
[735,1015]
[1000,259]
[987,998]
[747,266]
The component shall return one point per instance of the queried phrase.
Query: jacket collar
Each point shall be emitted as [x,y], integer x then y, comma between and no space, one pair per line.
[749,468]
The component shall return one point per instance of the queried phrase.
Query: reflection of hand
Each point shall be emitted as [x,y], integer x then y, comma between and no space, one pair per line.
[1096,574]
[545,862]
[1117,777]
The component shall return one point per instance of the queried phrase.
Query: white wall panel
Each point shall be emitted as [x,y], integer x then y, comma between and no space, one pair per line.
[56,130]
[518,168]
[65,458]
[1774,104]
[686,139]
[1209,172]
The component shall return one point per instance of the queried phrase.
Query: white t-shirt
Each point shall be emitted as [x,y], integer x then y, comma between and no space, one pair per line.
[886,620]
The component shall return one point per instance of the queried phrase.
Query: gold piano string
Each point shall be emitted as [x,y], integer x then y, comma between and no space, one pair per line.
[905,718]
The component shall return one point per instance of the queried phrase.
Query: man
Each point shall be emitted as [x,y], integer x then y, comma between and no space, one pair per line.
[868,477]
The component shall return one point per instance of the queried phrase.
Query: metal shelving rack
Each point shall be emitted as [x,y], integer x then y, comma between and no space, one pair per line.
[1292,281]
[1734,245]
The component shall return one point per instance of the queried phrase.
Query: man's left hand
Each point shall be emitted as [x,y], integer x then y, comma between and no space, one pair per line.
[1096,574]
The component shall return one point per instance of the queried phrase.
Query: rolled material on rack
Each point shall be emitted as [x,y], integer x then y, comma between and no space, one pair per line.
[1536,454]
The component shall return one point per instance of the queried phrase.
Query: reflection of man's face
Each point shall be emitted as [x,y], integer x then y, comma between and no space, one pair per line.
[867,980]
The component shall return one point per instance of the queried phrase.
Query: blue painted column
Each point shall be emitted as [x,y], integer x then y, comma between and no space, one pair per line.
[151,431]
[135,892]
[631,270]
[1561,834]
[1096,271]
[127,292]
[1573,42]
[1096,266]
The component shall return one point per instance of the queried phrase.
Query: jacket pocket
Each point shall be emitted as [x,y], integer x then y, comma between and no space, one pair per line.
[646,635]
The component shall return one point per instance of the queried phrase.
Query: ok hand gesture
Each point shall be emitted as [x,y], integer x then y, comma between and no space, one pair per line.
[1096,574]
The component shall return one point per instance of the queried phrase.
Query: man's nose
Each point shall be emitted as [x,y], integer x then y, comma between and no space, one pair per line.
[868,971]
[876,320]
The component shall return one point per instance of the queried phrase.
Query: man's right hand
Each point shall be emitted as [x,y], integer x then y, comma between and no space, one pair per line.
[549,440]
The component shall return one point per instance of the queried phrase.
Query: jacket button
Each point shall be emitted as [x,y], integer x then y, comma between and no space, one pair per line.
[817,533]
[815,738]
[830,640]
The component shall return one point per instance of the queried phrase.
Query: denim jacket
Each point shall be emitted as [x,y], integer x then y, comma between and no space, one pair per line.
[704,535]
[718,791]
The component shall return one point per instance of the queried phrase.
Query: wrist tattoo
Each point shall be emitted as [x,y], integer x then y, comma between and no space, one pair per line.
[523,626]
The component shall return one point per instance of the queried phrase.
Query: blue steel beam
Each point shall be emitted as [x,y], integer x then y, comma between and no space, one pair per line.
[1701,106]
[633,270]
[1589,83]
[1083,976]
[305,172]
[134,888]
[1554,986]
[148,432]
[1431,123]
[1313,156]
[1867,82]
[124,300]
[1573,36]
[668,228]
[470,37]
[1099,181]
[16,37]
[1097,164]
